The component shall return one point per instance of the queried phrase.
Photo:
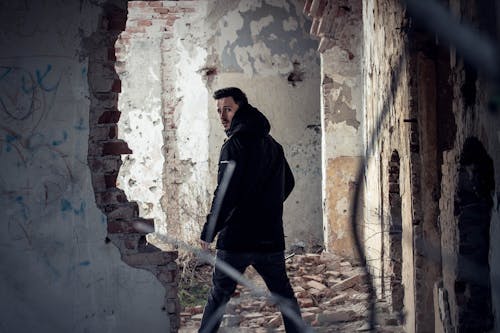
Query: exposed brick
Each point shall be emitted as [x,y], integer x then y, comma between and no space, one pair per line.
[171,20]
[111,54]
[172,290]
[144,23]
[115,147]
[95,149]
[155,3]
[162,258]
[103,132]
[137,4]
[166,276]
[110,179]
[106,99]
[114,18]
[111,196]
[162,10]
[188,9]
[173,306]
[98,182]
[131,242]
[117,86]
[110,116]
[130,226]
[135,30]
[101,83]
[124,211]
[101,165]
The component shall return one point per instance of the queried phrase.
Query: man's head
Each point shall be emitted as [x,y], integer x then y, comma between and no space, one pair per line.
[229,100]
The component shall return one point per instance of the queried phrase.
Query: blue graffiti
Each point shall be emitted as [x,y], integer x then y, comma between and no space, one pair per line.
[80,126]
[84,71]
[66,206]
[59,142]
[24,88]
[41,77]
[6,72]
[28,83]
[9,138]
[24,208]
[85,263]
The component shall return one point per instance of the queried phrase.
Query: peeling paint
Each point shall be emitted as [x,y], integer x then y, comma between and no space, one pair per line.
[342,140]
[257,26]
[341,172]
[290,24]
[263,40]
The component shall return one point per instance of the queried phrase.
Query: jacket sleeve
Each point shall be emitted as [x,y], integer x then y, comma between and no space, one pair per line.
[227,193]
[289,180]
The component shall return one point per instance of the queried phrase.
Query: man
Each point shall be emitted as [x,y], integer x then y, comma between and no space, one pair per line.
[254,179]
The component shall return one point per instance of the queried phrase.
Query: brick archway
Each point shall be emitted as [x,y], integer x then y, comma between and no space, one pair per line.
[104,159]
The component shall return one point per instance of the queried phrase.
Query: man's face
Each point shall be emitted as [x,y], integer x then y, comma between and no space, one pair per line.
[226,108]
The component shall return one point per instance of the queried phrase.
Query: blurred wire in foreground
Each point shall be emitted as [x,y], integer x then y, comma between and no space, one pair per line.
[233,273]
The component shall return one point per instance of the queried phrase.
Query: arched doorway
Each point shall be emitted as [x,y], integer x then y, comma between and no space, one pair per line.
[473,203]
[395,235]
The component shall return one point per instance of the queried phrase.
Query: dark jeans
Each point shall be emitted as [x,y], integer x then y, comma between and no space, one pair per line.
[271,266]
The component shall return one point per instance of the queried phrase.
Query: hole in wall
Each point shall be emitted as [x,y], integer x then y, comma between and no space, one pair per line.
[395,235]
[473,206]
[155,100]
[164,174]
[104,159]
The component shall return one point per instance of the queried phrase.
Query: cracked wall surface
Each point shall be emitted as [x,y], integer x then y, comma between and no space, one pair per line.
[60,272]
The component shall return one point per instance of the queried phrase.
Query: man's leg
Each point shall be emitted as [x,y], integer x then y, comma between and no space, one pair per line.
[223,288]
[271,266]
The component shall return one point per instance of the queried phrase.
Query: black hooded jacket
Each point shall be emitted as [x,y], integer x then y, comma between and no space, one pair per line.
[247,210]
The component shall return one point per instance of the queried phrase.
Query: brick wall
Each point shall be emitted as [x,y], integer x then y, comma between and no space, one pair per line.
[105,150]
[153,33]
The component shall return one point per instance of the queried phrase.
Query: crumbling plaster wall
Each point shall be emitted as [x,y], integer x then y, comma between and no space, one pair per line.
[164,102]
[342,126]
[139,66]
[58,273]
[387,97]
[260,46]
[476,117]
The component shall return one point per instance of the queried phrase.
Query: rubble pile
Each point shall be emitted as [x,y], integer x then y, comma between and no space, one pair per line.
[332,294]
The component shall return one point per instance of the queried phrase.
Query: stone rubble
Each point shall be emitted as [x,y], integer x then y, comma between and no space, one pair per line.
[331,293]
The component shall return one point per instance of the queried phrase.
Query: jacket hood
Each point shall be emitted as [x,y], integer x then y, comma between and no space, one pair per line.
[249,120]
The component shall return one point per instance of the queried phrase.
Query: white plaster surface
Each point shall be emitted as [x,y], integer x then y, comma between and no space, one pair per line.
[257,26]
[193,126]
[343,140]
[141,125]
[57,273]
[290,24]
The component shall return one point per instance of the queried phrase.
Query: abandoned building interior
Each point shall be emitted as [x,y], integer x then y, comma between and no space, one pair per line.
[388,112]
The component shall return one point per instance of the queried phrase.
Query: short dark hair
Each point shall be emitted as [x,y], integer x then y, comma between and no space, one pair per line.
[239,96]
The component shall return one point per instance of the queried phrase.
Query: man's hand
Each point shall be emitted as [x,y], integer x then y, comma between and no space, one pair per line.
[204,245]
